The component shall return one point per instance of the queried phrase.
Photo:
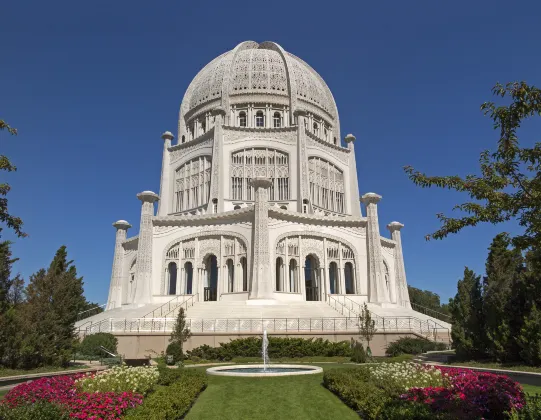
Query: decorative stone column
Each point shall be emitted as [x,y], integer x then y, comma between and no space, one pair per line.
[115,290]
[377,292]
[143,292]
[165,184]
[303,189]
[217,181]
[399,268]
[355,208]
[261,278]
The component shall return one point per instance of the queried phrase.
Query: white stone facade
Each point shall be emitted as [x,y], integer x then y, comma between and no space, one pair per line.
[259,200]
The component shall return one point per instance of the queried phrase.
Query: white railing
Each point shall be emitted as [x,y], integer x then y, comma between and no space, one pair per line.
[168,308]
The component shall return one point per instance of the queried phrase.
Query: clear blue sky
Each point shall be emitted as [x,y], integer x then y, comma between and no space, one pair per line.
[92,85]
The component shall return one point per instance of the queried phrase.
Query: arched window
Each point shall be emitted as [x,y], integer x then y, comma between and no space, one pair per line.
[215,205]
[172,269]
[230,276]
[183,138]
[293,276]
[348,277]
[326,185]
[305,206]
[188,273]
[277,118]
[316,129]
[211,278]
[204,126]
[259,119]
[242,119]
[311,278]
[192,183]
[333,277]
[279,274]
[192,130]
[335,142]
[244,274]
[325,132]
[283,207]
[237,207]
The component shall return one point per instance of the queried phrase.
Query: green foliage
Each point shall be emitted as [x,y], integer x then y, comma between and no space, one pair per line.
[510,178]
[139,379]
[171,402]
[467,311]
[531,411]
[410,345]
[91,344]
[37,411]
[367,326]
[530,337]
[175,349]
[407,410]
[278,347]
[429,300]
[359,355]
[11,221]
[181,333]
[168,375]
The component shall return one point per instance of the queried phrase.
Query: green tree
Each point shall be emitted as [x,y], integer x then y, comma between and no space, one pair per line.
[509,184]
[54,298]
[10,302]
[504,268]
[11,221]
[181,333]
[530,337]
[466,308]
[367,327]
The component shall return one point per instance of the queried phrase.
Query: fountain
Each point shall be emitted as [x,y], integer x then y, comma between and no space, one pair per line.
[265,369]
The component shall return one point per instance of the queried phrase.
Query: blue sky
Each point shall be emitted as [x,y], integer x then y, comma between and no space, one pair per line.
[92,85]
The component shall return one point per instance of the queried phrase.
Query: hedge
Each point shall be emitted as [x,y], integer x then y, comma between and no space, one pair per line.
[409,345]
[91,344]
[278,348]
[37,411]
[171,402]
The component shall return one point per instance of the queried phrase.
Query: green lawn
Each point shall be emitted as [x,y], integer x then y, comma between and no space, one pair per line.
[531,389]
[286,397]
[493,365]
[45,369]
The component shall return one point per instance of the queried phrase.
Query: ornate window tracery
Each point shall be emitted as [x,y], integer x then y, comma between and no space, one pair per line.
[259,119]
[326,185]
[249,163]
[277,119]
[192,184]
[242,119]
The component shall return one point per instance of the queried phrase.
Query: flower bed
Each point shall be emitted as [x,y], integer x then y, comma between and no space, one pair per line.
[109,395]
[406,390]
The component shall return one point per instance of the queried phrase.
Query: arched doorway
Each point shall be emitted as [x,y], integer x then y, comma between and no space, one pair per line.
[311,278]
[188,273]
[244,274]
[211,282]
[348,275]
[172,268]
[230,276]
[333,277]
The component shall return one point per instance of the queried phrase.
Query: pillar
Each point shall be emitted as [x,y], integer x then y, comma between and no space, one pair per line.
[377,292]
[261,280]
[353,193]
[165,184]
[303,190]
[143,291]
[115,290]
[402,295]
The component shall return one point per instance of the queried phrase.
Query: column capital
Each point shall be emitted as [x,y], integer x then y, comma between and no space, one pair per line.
[148,196]
[261,182]
[350,138]
[168,136]
[370,198]
[395,226]
[299,113]
[121,225]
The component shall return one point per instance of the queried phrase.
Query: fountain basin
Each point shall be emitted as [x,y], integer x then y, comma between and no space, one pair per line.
[259,370]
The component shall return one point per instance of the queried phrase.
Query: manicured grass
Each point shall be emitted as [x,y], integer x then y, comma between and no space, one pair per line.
[531,389]
[2,393]
[286,397]
[493,365]
[44,369]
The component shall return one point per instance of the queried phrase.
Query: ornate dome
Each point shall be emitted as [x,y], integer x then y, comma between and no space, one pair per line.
[264,72]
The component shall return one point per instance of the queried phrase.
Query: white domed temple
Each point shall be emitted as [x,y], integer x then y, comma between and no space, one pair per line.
[258,222]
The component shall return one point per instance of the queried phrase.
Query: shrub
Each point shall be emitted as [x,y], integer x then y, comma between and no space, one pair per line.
[410,345]
[171,402]
[167,376]
[531,411]
[91,344]
[278,348]
[37,411]
[359,355]
[121,379]
[174,349]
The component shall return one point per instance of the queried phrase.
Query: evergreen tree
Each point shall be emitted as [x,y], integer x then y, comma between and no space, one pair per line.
[180,333]
[367,327]
[530,337]
[466,311]
[10,301]
[504,268]
[54,298]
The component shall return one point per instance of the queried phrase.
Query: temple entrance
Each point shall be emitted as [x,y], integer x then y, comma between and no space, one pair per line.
[188,270]
[311,274]
[211,282]
[333,278]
